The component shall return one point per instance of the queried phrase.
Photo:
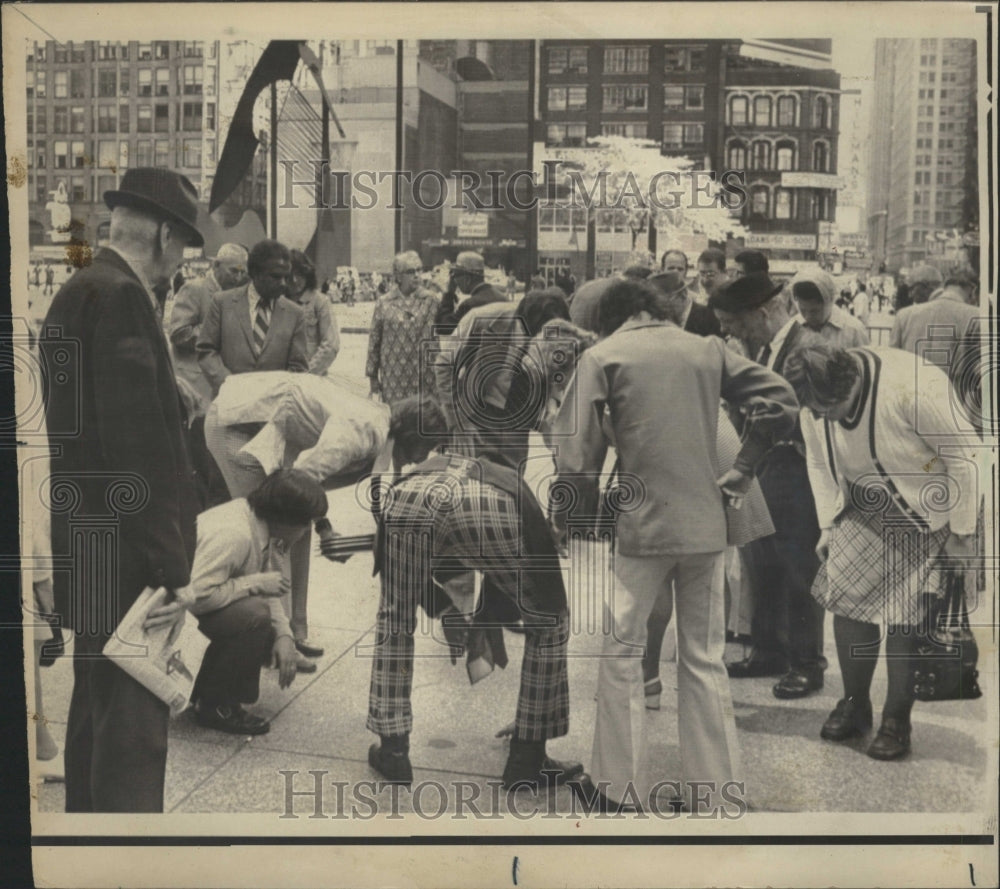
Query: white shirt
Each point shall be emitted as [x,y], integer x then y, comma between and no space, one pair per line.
[255,299]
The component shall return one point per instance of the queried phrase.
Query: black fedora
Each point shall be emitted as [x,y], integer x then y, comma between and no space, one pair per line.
[743,294]
[161,192]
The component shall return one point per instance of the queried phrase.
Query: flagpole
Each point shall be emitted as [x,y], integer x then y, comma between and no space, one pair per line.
[274,161]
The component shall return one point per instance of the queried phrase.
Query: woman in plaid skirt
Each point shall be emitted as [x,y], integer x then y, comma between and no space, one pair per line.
[890,502]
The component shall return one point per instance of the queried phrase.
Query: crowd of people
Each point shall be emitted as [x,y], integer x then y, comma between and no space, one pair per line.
[769,445]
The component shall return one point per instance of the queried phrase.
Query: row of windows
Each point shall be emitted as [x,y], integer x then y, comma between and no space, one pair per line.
[109,83]
[190,116]
[944,177]
[763,111]
[940,217]
[945,197]
[945,126]
[108,153]
[106,52]
[675,135]
[782,155]
[786,203]
[625,59]
[627,98]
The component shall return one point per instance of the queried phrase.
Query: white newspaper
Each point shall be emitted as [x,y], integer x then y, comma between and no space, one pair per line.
[167,669]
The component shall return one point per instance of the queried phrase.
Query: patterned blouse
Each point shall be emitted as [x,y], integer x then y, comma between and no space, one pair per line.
[400,324]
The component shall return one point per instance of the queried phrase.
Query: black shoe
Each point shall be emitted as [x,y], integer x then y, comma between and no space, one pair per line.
[305,647]
[595,802]
[231,718]
[757,664]
[892,740]
[394,767]
[521,772]
[849,718]
[798,684]
[52,648]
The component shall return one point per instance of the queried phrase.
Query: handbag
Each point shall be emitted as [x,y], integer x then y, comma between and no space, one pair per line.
[944,666]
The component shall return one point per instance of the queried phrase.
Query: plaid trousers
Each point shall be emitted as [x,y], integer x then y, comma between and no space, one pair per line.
[449,518]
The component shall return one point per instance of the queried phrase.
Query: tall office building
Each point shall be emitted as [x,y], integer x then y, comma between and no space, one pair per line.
[97,108]
[922,168]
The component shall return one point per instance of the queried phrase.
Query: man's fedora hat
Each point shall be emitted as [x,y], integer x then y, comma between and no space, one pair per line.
[162,193]
[743,294]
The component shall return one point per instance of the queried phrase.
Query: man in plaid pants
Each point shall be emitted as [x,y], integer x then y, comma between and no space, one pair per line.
[458,513]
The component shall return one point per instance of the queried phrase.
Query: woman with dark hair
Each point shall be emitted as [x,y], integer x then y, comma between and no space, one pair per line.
[890,501]
[322,333]
[237,588]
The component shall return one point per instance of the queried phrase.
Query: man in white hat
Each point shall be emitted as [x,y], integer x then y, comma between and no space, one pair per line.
[468,290]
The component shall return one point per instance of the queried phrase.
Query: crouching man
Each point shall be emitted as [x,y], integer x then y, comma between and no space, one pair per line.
[237,592]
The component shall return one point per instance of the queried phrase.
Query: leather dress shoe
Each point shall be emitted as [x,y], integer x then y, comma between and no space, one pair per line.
[798,684]
[231,718]
[757,664]
[594,801]
[849,718]
[394,767]
[653,688]
[521,772]
[892,740]
[304,665]
[305,647]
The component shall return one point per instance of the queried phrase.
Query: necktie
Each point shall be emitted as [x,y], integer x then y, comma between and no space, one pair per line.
[260,326]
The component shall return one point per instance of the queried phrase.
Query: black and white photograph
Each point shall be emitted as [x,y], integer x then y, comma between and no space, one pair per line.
[483,444]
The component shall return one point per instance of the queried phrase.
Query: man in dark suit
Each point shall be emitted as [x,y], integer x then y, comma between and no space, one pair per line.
[787,625]
[257,328]
[695,318]
[468,290]
[122,489]
[254,327]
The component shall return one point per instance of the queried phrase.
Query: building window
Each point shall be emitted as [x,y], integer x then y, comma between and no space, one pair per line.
[694,97]
[821,157]
[144,119]
[821,113]
[785,155]
[40,154]
[193,79]
[739,111]
[557,98]
[162,79]
[78,153]
[60,155]
[694,133]
[77,189]
[123,118]
[123,83]
[76,121]
[820,204]
[161,50]
[161,119]
[61,90]
[78,53]
[144,153]
[210,116]
[145,82]
[571,135]
[762,111]
[628,130]
[673,98]
[60,54]
[626,60]
[624,98]
[568,60]
[60,119]
[759,200]
[40,84]
[145,52]
[161,156]
[78,85]
[683,58]
[191,119]
[106,119]
[192,49]
[673,135]
[783,203]
[107,83]
[787,106]
[41,190]
[192,153]
[736,157]
[107,154]
[107,52]
[761,155]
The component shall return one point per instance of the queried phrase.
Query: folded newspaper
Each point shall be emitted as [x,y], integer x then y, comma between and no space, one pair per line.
[167,669]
